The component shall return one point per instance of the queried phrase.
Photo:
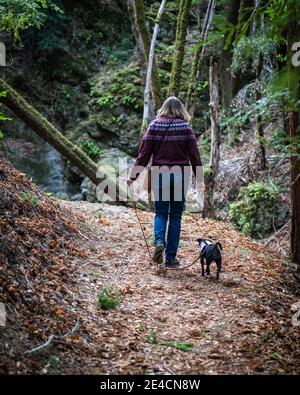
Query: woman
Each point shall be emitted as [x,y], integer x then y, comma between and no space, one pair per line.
[172,144]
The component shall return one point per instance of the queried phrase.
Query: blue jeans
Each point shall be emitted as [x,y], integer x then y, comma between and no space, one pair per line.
[168,211]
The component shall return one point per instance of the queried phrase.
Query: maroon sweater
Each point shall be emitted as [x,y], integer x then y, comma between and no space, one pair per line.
[172,142]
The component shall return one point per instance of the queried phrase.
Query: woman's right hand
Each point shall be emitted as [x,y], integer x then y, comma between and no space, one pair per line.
[200,186]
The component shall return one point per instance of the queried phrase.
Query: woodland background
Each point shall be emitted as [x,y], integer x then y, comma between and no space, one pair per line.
[75,77]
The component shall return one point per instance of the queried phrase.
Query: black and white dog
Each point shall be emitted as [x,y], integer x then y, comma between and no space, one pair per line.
[210,252]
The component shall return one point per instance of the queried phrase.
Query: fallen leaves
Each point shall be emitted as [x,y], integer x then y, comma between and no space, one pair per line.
[53,265]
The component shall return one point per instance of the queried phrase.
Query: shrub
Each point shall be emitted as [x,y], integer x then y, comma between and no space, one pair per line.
[108,298]
[253,211]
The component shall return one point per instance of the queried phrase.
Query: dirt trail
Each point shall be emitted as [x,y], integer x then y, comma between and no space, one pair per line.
[239,324]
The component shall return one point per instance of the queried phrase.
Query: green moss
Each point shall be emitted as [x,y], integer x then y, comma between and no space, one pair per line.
[124,87]
[253,211]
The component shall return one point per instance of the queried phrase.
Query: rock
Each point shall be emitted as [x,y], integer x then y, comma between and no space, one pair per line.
[77,197]
[62,196]
[88,190]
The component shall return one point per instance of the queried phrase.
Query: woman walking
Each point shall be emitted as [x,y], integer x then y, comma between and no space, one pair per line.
[171,143]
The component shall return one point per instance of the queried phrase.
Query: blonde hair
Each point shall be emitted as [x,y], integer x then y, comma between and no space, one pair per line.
[173,108]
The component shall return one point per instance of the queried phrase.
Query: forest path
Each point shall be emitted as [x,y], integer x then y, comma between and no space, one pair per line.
[239,324]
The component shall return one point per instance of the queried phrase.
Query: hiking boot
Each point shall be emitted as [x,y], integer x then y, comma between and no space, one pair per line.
[158,253]
[172,263]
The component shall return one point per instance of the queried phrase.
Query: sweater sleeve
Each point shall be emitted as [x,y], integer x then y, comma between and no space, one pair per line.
[194,157]
[144,156]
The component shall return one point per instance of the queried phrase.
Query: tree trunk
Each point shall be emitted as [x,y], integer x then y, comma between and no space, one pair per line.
[243,28]
[292,31]
[23,110]
[259,127]
[137,36]
[181,32]
[295,186]
[199,53]
[245,11]
[226,56]
[211,173]
[139,18]
[147,93]
[34,120]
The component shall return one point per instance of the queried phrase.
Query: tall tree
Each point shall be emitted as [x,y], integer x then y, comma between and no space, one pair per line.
[246,10]
[226,54]
[211,173]
[199,53]
[147,93]
[145,39]
[293,31]
[295,185]
[181,32]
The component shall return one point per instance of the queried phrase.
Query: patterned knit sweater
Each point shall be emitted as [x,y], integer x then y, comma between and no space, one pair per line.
[172,142]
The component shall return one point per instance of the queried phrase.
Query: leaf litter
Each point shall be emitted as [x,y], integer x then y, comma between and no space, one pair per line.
[53,264]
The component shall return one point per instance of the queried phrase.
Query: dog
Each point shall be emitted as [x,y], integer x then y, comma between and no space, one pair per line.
[210,252]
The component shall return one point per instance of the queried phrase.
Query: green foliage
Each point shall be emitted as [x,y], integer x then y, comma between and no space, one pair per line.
[19,15]
[55,364]
[273,101]
[254,208]
[247,51]
[182,346]
[130,101]
[119,121]
[90,148]
[201,86]
[141,327]
[207,172]
[152,338]
[30,198]
[124,89]
[119,53]
[2,116]
[108,298]
[280,141]
[105,101]
[54,36]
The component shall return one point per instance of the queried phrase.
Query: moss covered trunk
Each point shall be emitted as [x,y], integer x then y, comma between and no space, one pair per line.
[293,32]
[199,53]
[210,175]
[181,32]
[295,187]
[139,18]
[226,55]
[23,110]
[147,93]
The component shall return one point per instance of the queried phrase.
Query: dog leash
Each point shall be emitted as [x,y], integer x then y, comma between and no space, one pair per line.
[146,242]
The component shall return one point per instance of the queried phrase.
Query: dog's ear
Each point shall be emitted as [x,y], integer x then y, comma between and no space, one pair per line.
[199,240]
[220,245]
